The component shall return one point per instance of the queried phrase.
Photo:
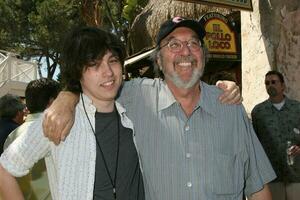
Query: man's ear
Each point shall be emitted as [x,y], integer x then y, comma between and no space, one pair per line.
[158,61]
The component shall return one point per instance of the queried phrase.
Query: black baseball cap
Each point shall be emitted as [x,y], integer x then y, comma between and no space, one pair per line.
[170,25]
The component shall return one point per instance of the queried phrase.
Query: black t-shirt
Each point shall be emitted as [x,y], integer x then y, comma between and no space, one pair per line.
[129,182]
[6,127]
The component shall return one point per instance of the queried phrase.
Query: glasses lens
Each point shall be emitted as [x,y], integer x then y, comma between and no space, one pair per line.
[175,45]
[194,45]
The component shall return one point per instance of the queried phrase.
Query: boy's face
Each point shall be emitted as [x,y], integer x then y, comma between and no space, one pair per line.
[102,79]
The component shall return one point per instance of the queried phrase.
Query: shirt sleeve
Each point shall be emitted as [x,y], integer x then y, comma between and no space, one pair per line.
[11,137]
[254,119]
[259,170]
[129,89]
[26,150]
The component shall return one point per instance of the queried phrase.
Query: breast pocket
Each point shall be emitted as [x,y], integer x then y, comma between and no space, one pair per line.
[225,177]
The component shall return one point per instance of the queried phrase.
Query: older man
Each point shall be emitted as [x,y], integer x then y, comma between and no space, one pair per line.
[191,146]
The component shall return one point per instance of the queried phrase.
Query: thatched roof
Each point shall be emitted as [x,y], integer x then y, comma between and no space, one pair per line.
[146,24]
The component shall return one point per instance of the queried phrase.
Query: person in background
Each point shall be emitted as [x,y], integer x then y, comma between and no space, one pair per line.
[191,146]
[12,111]
[276,122]
[99,159]
[39,95]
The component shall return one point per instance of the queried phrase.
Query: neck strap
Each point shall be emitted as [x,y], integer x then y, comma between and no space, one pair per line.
[112,181]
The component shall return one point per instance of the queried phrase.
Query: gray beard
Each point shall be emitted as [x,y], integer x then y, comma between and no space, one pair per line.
[197,74]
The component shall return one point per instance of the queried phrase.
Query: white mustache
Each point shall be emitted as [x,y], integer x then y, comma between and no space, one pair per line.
[185,59]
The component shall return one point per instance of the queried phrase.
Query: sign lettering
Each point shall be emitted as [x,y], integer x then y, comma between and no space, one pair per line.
[220,38]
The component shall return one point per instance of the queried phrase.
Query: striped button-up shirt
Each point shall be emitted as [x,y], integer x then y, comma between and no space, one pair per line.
[213,154]
[70,165]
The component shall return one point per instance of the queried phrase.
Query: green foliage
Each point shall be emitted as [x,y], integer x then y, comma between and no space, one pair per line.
[50,21]
[34,28]
[129,9]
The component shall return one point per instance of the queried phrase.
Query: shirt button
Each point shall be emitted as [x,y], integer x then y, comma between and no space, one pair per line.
[189,184]
[187,128]
[188,155]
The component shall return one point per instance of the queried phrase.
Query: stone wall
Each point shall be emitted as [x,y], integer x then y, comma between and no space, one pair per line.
[288,51]
[270,40]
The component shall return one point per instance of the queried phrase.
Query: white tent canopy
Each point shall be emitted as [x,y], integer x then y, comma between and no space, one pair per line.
[15,74]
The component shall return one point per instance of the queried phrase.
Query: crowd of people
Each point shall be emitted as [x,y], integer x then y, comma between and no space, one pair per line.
[173,137]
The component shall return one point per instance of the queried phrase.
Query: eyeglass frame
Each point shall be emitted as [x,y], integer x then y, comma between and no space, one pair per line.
[187,43]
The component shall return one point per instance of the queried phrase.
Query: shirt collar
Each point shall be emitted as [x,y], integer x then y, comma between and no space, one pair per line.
[33,117]
[206,101]
[120,108]
[208,98]
[287,103]
[165,97]
[92,109]
[87,103]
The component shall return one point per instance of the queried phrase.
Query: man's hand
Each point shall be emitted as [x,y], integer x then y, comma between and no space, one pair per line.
[294,150]
[59,117]
[231,94]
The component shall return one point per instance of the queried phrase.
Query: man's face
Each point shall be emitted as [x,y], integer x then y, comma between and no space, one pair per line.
[102,79]
[20,116]
[185,67]
[274,86]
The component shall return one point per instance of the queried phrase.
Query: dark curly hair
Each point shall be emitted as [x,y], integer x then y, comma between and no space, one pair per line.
[82,46]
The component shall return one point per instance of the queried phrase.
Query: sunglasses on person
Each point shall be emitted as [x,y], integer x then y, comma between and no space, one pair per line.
[272,82]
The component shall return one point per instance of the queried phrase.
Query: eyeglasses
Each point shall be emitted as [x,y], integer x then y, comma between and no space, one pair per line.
[272,82]
[175,45]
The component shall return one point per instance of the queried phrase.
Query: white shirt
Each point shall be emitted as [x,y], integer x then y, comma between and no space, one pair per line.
[70,165]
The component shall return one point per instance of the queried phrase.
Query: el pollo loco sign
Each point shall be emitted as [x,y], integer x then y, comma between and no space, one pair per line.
[220,38]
